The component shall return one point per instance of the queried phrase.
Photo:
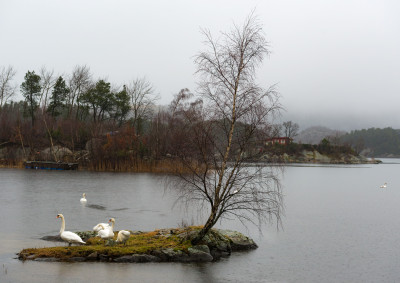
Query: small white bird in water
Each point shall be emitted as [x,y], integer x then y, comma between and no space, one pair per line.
[384,185]
[83,199]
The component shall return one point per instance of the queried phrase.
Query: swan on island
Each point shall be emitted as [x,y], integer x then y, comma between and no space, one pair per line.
[384,185]
[100,226]
[106,232]
[123,236]
[69,237]
[83,199]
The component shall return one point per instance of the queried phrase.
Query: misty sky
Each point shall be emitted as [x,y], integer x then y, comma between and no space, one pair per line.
[336,63]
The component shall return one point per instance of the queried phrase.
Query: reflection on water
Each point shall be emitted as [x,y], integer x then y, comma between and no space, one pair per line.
[339,226]
[120,209]
[95,206]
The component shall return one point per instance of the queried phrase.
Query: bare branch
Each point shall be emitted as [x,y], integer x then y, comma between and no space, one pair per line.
[47,82]
[7,89]
[141,93]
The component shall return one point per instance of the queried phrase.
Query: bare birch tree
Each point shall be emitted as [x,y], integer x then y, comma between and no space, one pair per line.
[221,129]
[142,98]
[47,82]
[78,83]
[7,89]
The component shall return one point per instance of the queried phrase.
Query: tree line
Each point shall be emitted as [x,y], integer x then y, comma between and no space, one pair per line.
[75,109]
[375,142]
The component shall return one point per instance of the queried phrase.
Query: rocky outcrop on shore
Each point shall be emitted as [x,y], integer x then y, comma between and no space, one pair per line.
[306,156]
[216,244]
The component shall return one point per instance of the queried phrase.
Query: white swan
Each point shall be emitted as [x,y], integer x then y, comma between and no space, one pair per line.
[123,236]
[106,232]
[384,185]
[83,199]
[68,236]
[100,226]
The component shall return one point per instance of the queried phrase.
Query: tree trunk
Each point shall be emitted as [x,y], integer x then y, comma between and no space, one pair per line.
[209,224]
[51,140]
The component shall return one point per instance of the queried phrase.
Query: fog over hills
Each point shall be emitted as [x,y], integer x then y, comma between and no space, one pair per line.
[344,121]
[314,135]
[316,126]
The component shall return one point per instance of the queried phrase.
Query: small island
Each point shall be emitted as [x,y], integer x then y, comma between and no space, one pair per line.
[163,245]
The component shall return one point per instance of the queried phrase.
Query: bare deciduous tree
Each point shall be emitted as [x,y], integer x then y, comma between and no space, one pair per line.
[7,89]
[141,93]
[47,82]
[273,130]
[220,131]
[291,129]
[79,83]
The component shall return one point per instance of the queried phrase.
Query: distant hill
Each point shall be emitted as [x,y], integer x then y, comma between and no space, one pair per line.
[314,135]
[372,142]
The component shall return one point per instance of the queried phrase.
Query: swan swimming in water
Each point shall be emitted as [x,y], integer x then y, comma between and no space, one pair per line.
[384,185]
[83,199]
[123,236]
[68,236]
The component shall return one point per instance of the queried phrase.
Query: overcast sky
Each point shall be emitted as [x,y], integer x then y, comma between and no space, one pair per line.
[336,62]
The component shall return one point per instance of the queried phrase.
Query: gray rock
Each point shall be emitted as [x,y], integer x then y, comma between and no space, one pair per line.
[137,258]
[171,255]
[203,248]
[46,259]
[59,151]
[239,241]
[200,253]
[187,235]
[103,257]
[93,256]
[216,241]
[125,258]
[76,259]
[85,235]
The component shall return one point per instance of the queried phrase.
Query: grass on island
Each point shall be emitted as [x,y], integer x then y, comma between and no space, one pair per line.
[143,243]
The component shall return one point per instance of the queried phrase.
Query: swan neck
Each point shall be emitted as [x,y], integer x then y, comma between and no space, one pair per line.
[62,225]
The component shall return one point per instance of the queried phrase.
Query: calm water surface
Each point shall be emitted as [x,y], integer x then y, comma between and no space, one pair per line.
[339,226]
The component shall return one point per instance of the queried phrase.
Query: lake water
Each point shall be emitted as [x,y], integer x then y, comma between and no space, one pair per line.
[339,226]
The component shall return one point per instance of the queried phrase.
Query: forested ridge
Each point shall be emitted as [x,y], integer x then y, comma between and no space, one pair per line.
[375,142]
